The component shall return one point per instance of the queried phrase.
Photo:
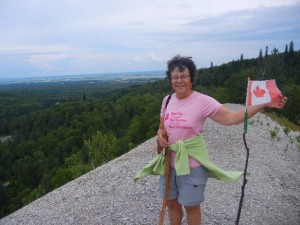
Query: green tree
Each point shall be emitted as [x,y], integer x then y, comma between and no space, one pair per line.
[291,48]
[75,164]
[293,105]
[25,172]
[236,88]
[84,97]
[101,148]
[274,51]
[62,176]
[286,54]
[260,55]
[3,200]
[267,52]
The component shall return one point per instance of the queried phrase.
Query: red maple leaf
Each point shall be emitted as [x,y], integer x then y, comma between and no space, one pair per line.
[167,117]
[258,92]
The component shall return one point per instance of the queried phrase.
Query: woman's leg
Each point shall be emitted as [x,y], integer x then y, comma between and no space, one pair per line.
[193,214]
[175,212]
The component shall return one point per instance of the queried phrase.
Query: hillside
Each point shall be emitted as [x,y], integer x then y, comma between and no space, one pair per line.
[108,195]
[53,127]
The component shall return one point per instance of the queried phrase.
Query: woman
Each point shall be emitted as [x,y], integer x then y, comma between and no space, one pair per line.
[183,119]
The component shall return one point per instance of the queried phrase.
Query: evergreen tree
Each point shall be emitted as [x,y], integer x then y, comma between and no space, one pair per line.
[101,148]
[286,54]
[275,51]
[267,52]
[242,58]
[260,55]
[291,49]
[286,49]
[211,67]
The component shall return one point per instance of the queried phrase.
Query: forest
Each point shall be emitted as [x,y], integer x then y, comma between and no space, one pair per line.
[57,133]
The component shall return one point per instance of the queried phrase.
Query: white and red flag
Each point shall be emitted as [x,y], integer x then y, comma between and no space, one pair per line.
[260,92]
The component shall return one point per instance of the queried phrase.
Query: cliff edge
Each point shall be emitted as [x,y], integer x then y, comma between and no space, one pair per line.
[108,195]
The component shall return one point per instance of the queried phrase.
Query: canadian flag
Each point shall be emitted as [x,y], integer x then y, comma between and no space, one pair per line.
[260,92]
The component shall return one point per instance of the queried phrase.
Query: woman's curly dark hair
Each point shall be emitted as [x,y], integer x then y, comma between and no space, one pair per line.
[181,62]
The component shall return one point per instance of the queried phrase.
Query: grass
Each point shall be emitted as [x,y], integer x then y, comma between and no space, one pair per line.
[282,121]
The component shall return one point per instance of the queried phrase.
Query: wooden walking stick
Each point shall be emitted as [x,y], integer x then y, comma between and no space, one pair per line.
[166,153]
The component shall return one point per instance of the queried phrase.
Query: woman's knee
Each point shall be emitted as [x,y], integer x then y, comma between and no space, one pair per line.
[174,204]
[193,209]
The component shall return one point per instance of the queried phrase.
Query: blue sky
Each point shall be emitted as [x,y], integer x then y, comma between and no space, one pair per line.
[61,37]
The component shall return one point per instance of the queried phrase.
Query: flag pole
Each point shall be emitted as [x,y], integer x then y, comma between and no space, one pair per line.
[247,159]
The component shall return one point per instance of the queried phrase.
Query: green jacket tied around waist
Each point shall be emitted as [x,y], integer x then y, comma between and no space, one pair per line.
[195,148]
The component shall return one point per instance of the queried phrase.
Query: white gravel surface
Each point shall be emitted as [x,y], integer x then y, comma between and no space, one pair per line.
[108,195]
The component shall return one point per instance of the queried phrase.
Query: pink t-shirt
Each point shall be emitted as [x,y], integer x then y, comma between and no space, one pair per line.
[185,118]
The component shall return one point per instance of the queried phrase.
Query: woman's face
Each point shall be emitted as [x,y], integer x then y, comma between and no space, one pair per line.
[181,82]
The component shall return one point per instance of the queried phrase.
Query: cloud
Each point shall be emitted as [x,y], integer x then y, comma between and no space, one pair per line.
[245,24]
[47,61]
[157,58]
[106,36]
[32,48]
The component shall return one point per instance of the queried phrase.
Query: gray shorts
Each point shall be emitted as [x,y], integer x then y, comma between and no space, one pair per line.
[188,189]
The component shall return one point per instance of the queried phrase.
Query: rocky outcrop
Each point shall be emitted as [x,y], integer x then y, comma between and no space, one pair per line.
[108,195]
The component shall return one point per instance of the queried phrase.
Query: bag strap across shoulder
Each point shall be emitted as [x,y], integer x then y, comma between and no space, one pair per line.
[167,102]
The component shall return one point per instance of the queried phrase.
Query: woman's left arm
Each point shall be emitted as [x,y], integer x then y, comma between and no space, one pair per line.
[225,116]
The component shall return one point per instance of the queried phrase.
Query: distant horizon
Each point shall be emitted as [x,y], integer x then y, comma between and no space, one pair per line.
[78,74]
[82,77]
[6,79]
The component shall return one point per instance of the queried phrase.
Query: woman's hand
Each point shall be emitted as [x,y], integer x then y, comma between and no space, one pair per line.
[162,140]
[278,103]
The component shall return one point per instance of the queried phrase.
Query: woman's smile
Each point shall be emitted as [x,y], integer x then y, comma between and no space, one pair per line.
[181,82]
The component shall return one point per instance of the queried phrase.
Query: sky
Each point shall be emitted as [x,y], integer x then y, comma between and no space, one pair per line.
[66,37]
